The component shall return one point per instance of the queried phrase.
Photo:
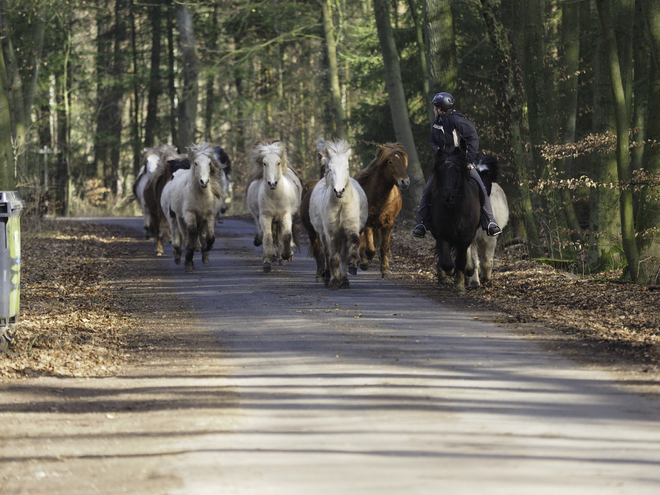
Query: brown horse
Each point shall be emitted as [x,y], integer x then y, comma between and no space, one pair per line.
[315,249]
[152,192]
[382,181]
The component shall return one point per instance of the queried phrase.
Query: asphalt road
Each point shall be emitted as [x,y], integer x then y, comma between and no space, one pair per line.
[369,390]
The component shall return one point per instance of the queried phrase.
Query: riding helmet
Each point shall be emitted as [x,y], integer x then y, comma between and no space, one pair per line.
[443,100]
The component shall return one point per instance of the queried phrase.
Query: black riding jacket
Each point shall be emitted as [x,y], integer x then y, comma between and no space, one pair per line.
[442,135]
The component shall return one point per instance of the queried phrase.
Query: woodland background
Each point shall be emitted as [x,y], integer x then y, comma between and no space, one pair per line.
[566,93]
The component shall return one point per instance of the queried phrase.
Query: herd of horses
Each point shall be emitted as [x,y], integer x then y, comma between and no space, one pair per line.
[347,219]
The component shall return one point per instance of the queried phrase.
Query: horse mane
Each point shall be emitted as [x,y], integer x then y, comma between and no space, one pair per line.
[383,154]
[335,148]
[260,150]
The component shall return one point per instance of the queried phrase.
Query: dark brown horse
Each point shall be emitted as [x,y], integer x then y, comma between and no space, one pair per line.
[455,211]
[153,190]
[382,181]
[315,249]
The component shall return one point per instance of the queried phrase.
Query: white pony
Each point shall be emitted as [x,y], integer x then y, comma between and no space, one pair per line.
[482,250]
[338,211]
[191,201]
[273,197]
[150,159]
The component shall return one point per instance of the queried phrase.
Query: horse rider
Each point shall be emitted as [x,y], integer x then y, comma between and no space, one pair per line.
[451,130]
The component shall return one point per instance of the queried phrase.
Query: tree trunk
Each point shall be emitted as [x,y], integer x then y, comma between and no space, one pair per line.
[642,60]
[7,181]
[333,66]
[510,105]
[171,75]
[155,87]
[117,94]
[398,105]
[531,51]
[209,107]
[568,89]
[61,176]
[648,213]
[441,48]
[190,90]
[22,90]
[623,139]
[102,136]
[423,62]
[136,140]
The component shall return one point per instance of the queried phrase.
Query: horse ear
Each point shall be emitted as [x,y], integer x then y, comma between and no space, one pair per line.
[349,153]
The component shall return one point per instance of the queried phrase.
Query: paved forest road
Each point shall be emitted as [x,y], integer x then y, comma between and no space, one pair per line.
[301,390]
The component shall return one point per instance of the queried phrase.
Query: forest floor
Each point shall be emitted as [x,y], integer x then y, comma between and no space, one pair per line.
[77,319]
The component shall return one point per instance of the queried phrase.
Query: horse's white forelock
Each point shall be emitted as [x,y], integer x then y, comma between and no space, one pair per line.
[205,148]
[336,148]
[261,150]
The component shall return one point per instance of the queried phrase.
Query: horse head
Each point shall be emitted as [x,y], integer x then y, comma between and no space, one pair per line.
[394,160]
[151,160]
[201,163]
[336,154]
[451,172]
[270,162]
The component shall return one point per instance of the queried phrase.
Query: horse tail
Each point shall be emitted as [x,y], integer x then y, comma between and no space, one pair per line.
[489,170]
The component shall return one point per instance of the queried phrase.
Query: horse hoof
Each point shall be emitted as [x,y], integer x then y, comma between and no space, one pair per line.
[333,284]
[364,266]
[205,257]
[177,261]
[344,284]
[386,274]
[267,267]
[352,270]
[190,267]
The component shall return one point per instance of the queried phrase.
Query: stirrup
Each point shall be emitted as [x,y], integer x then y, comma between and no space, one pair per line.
[419,231]
[493,230]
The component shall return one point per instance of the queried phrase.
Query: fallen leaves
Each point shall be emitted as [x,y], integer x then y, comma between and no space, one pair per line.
[597,308]
[72,320]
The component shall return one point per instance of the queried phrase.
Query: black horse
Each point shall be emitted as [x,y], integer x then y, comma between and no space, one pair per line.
[455,211]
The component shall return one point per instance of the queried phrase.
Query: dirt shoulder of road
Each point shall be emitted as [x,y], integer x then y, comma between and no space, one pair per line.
[597,320]
[83,313]
[89,304]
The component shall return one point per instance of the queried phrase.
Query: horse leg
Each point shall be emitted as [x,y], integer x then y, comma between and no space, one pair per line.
[266,227]
[177,228]
[191,242]
[258,235]
[385,252]
[364,261]
[461,262]
[473,265]
[353,252]
[370,249]
[319,257]
[207,238]
[287,238]
[445,265]
[486,255]
[333,261]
